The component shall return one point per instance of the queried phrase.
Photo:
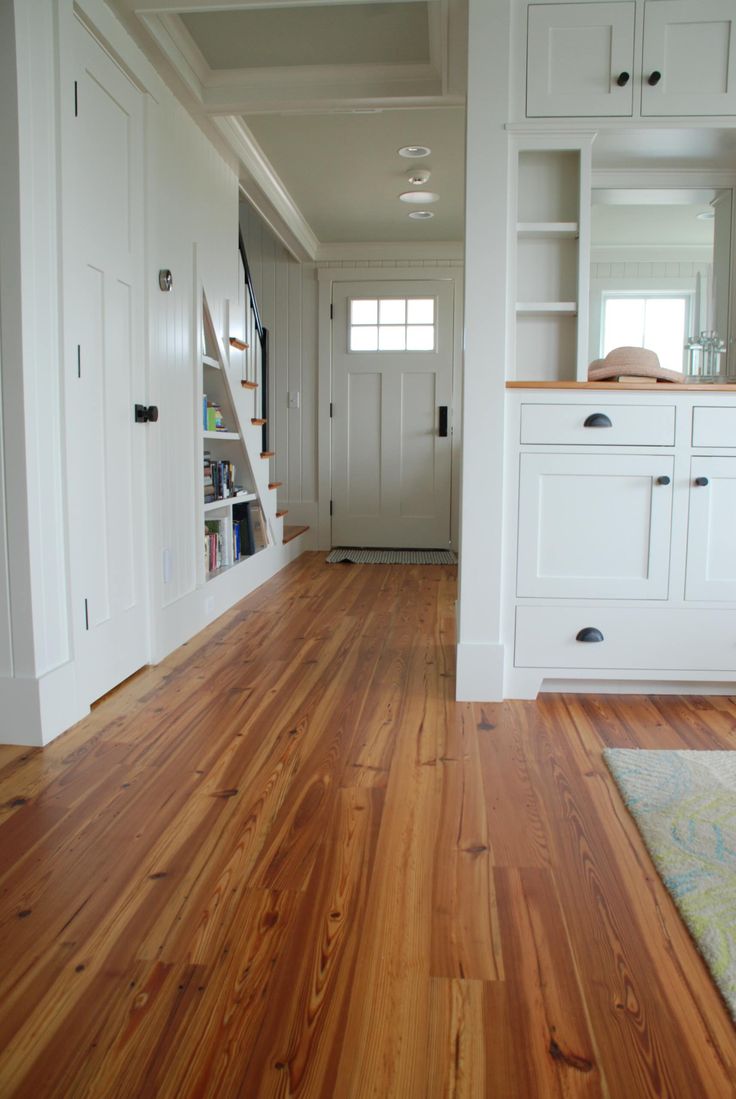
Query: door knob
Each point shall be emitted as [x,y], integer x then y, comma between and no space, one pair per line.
[654,79]
[146,414]
[663,480]
[623,79]
[701,481]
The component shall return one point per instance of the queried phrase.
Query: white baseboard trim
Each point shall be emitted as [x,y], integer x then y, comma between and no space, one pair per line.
[636,687]
[36,711]
[479,672]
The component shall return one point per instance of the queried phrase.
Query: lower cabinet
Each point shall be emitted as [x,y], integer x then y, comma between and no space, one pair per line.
[711,540]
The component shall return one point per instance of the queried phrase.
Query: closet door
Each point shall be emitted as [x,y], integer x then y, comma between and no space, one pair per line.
[580,60]
[689,63]
[103,165]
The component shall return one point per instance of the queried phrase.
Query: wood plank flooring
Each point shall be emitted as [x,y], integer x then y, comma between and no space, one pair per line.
[286,863]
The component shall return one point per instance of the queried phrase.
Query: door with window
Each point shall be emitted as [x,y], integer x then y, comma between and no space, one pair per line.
[392,367]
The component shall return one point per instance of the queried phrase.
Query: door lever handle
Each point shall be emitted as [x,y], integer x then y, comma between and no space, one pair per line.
[443,422]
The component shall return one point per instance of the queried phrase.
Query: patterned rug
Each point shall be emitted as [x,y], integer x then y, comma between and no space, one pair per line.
[684,804]
[347,555]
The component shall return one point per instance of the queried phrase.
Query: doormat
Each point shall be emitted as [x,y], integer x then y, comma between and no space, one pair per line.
[684,804]
[345,555]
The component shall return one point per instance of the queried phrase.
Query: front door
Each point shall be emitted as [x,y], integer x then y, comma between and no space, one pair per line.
[103,165]
[392,358]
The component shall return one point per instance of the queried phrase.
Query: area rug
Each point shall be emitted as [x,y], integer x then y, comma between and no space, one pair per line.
[346,555]
[684,804]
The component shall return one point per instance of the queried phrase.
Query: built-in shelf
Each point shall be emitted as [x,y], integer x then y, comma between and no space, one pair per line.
[214,505]
[207,360]
[565,308]
[226,568]
[554,229]
[232,436]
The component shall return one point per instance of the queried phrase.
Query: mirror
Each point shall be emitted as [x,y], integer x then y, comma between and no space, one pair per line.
[660,275]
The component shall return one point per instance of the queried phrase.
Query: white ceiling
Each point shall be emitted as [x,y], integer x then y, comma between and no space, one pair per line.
[318,96]
[650,225]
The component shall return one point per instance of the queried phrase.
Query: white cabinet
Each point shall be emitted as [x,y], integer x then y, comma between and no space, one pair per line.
[581,59]
[594,526]
[711,543]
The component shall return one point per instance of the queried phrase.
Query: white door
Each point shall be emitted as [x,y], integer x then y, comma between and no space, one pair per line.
[392,354]
[580,60]
[689,61]
[103,179]
[711,544]
[594,526]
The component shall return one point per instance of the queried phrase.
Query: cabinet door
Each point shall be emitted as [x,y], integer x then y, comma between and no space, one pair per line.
[575,57]
[594,526]
[691,44]
[711,546]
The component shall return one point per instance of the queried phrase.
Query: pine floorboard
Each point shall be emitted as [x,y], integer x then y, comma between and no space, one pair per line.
[285,863]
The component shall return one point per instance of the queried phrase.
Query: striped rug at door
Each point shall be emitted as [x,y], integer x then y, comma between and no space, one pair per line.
[390,557]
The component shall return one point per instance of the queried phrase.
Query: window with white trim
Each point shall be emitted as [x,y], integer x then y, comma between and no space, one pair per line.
[392,324]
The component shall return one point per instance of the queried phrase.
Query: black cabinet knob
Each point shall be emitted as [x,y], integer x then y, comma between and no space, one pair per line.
[589,633]
[663,480]
[623,79]
[146,414]
[654,79]
[701,481]
[597,419]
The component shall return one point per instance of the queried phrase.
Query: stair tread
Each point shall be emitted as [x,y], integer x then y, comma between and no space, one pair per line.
[268,453]
[256,422]
[275,484]
[249,385]
[293,532]
[241,345]
[280,514]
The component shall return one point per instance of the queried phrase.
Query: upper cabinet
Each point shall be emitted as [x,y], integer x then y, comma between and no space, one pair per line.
[584,60]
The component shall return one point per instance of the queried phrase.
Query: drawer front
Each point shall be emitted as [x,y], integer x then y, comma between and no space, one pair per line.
[607,424]
[634,639]
[714,426]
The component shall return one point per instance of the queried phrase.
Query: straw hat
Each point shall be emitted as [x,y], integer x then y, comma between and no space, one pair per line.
[631,362]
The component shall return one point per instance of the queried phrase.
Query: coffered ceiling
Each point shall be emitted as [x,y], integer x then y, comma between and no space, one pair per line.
[316,97]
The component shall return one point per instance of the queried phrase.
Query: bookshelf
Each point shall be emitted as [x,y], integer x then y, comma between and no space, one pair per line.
[231,517]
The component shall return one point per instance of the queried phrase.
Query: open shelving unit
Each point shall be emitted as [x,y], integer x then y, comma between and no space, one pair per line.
[227,446]
[551,234]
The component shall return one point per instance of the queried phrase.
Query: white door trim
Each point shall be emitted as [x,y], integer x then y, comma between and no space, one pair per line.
[327,277]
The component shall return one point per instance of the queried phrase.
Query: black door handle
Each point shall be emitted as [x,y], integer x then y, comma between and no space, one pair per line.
[597,419]
[146,414]
[623,79]
[654,79]
[443,422]
[663,480]
[589,633]
[701,481]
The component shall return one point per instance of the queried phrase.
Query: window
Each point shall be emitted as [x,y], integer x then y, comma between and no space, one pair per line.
[656,321]
[392,324]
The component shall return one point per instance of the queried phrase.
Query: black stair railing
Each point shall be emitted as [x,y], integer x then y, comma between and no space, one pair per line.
[263,341]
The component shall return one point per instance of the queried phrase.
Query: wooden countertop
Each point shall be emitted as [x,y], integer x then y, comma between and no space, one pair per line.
[614,387]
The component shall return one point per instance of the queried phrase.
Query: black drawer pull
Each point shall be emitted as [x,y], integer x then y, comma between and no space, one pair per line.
[701,481]
[589,633]
[663,480]
[623,79]
[654,79]
[597,419]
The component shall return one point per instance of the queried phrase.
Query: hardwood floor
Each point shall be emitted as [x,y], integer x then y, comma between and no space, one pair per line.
[286,863]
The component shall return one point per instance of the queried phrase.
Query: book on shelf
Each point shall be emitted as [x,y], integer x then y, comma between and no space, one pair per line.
[260,530]
[222,543]
[218,479]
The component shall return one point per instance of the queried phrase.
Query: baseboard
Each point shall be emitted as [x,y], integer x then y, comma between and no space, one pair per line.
[636,687]
[36,711]
[479,672]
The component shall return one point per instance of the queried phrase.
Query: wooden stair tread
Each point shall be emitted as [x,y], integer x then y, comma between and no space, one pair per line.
[256,422]
[282,513]
[240,345]
[292,532]
[249,385]
[275,484]
[268,453]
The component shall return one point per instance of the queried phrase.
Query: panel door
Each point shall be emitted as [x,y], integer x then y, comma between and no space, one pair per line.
[691,44]
[392,376]
[577,54]
[105,377]
[594,526]
[711,546]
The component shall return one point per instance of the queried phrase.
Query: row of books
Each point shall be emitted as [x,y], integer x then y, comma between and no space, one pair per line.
[219,479]
[229,538]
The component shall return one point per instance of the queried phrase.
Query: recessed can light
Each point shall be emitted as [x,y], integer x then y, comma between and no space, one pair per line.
[706,215]
[413,152]
[421,215]
[420,197]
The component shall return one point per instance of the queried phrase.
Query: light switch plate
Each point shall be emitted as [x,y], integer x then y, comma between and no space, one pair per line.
[293,398]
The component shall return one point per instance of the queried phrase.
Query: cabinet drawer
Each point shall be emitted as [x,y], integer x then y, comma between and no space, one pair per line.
[714,426]
[654,638]
[608,424]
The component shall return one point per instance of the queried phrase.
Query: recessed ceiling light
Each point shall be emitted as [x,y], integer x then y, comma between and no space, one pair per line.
[707,215]
[422,197]
[421,215]
[414,151]
[417,178]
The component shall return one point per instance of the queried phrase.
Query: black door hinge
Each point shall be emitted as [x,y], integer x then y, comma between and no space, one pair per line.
[86,615]
[330,507]
[330,409]
[79,361]
[76,99]
[332,311]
